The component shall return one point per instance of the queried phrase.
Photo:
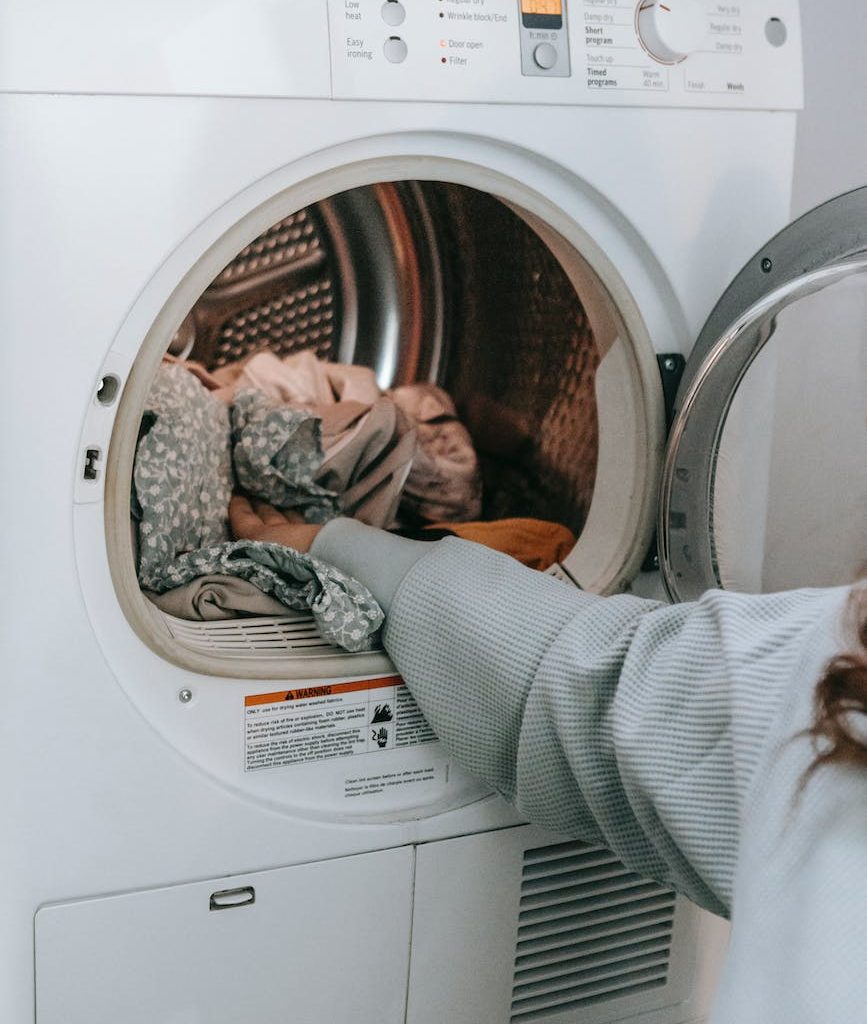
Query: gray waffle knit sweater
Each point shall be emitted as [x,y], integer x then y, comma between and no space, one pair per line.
[673,734]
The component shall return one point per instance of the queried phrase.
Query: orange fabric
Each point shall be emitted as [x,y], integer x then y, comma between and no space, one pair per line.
[535,542]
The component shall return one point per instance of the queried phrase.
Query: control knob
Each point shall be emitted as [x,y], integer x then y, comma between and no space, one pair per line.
[669,30]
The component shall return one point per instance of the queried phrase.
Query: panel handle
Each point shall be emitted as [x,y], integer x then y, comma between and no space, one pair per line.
[228,899]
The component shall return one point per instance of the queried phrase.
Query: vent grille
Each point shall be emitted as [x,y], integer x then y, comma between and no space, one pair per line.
[589,930]
[284,636]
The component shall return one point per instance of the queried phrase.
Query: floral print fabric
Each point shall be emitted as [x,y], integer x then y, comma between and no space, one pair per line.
[344,610]
[183,480]
[277,453]
[182,476]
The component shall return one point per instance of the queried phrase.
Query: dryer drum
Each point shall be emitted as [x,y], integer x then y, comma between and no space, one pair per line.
[425,281]
[435,282]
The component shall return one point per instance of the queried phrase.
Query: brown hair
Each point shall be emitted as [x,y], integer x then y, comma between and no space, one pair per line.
[842,692]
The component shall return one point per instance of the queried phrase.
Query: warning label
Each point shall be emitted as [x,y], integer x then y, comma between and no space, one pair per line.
[319,723]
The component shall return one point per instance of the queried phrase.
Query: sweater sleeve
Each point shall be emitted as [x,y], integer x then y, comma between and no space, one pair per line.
[378,559]
[618,720]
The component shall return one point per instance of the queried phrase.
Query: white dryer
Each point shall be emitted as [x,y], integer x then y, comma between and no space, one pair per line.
[536,203]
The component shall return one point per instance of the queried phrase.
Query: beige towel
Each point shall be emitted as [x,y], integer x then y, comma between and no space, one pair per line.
[375,497]
[353,383]
[413,438]
[368,442]
[368,462]
[209,598]
[300,380]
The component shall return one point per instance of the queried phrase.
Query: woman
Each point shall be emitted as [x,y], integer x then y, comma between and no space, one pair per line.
[692,740]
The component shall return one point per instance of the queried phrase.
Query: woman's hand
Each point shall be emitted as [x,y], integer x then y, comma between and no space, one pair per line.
[264,522]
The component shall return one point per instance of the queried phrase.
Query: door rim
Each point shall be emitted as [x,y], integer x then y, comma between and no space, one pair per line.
[809,254]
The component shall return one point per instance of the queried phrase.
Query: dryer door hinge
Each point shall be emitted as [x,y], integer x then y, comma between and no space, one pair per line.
[671,366]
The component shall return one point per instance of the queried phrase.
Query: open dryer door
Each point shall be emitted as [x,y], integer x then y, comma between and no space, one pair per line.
[819,265]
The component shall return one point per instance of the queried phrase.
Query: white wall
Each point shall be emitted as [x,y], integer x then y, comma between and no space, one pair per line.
[831,155]
[817,521]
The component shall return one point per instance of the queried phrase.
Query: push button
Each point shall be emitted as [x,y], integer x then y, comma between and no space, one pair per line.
[545,56]
[393,12]
[395,50]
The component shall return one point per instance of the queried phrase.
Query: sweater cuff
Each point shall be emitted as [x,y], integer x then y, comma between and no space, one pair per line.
[378,559]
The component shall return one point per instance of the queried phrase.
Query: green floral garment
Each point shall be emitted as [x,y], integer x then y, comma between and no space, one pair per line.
[277,451]
[182,483]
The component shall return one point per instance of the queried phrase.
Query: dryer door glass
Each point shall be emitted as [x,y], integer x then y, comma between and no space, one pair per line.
[765,480]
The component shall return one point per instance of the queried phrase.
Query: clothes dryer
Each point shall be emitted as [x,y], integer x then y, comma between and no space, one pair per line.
[538,204]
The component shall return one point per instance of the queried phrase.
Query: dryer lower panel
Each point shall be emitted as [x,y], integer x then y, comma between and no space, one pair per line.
[315,943]
[507,927]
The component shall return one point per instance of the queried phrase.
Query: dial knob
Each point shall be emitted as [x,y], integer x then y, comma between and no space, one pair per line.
[670,30]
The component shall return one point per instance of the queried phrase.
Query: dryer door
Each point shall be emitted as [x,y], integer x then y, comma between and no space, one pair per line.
[767,456]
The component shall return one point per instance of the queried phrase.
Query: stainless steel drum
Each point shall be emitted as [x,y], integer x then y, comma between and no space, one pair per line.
[426,281]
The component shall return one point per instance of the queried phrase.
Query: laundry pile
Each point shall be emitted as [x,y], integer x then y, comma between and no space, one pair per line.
[317,438]
[406,449]
[182,482]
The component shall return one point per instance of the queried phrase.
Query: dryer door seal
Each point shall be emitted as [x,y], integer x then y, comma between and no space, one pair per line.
[823,247]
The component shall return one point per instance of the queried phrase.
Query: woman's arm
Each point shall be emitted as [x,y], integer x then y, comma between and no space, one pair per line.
[617,720]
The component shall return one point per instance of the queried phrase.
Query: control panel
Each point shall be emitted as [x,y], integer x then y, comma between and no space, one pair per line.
[678,53]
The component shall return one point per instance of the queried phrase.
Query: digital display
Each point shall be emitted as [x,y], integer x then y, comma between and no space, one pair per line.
[542,7]
[542,13]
